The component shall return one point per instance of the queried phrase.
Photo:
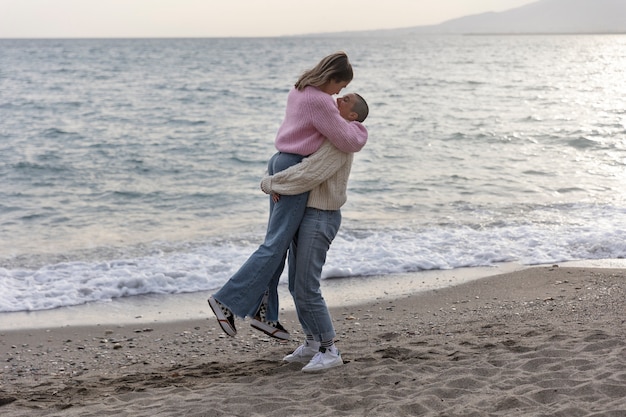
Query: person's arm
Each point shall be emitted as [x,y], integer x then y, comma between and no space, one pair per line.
[346,136]
[308,174]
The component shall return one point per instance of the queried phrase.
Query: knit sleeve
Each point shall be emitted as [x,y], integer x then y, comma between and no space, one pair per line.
[308,174]
[346,136]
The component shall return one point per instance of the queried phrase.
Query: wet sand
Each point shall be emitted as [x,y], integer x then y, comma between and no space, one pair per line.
[544,341]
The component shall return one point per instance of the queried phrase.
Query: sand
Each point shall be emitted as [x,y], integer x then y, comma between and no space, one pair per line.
[545,341]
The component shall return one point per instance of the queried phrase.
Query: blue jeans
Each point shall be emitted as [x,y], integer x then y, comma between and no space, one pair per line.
[243,292]
[307,256]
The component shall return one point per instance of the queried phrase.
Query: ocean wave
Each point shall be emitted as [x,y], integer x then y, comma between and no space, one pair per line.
[355,252]
[34,166]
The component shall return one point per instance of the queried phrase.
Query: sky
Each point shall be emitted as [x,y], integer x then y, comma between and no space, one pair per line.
[225,18]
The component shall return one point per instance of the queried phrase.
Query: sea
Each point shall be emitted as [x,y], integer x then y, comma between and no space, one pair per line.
[131,167]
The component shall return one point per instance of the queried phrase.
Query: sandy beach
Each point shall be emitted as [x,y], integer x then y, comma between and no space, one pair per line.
[544,341]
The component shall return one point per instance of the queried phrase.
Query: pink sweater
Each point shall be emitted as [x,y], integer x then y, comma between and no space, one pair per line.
[311,117]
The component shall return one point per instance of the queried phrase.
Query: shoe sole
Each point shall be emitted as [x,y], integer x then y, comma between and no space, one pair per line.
[269,330]
[314,370]
[221,318]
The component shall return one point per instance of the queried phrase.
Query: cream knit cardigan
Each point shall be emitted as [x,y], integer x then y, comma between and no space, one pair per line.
[325,173]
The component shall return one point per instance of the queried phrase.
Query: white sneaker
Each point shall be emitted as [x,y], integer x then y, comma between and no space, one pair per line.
[329,358]
[303,353]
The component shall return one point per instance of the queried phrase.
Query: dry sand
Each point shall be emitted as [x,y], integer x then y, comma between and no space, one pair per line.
[548,341]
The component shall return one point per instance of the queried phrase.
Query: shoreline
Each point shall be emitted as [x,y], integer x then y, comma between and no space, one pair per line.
[158,308]
[164,308]
[537,341]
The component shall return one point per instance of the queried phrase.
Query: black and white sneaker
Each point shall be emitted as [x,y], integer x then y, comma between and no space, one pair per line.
[271,328]
[225,317]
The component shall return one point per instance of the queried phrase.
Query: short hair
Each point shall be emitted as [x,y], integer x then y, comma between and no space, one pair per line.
[361,108]
[335,67]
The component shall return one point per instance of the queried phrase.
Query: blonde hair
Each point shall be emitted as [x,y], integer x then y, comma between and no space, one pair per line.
[335,67]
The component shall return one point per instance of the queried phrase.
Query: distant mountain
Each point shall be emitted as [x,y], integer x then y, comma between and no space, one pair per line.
[545,16]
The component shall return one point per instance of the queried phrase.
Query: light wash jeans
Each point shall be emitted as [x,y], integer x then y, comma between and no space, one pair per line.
[307,256]
[244,291]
